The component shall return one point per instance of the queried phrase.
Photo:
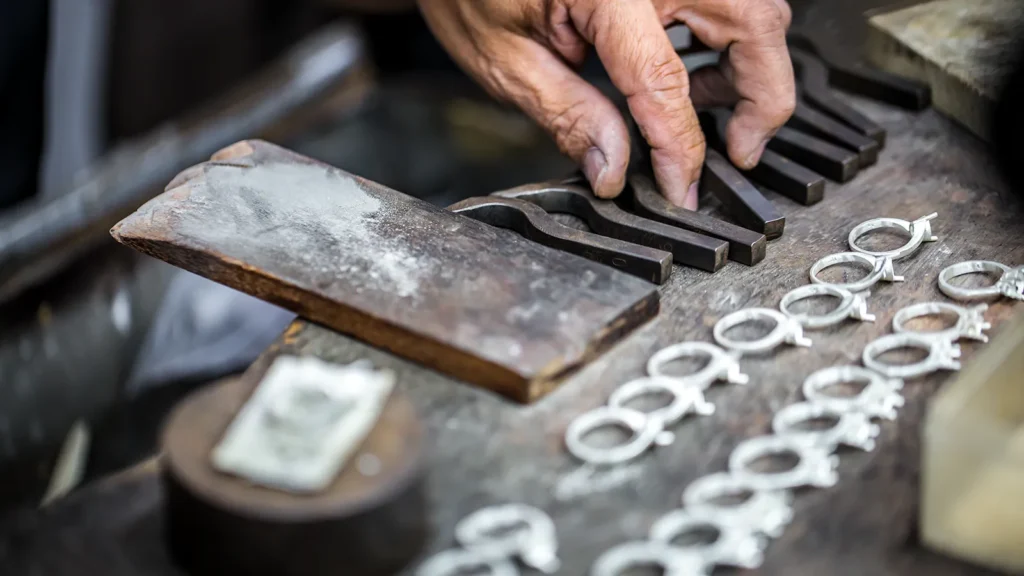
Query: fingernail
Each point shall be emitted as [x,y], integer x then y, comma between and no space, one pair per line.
[755,156]
[690,202]
[594,166]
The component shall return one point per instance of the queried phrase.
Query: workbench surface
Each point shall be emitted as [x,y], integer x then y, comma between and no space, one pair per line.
[485,450]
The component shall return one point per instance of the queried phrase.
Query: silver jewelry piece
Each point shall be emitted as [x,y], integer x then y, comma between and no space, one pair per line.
[850,305]
[881,269]
[734,546]
[1010,283]
[879,399]
[786,330]
[455,562]
[919,231]
[970,322]
[942,355]
[764,512]
[816,466]
[672,561]
[851,428]
[535,543]
[646,432]
[685,398]
[723,364]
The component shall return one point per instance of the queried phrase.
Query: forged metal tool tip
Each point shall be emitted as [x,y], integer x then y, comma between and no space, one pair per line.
[774,170]
[826,159]
[818,124]
[533,223]
[869,82]
[743,201]
[606,218]
[641,195]
[812,81]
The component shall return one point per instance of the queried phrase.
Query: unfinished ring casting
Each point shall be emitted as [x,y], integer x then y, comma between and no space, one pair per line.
[1010,283]
[685,398]
[970,322]
[456,561]
[646,553]
[734,545]
[852,429]
[816,466]
[763,512]
[785,330]
[535,543]
[646,432]
[850,306]
[942,355]
[881,269]
[878,399]
[920,231]
[723,365]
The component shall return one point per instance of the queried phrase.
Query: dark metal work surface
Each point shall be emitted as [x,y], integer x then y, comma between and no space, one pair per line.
[483,449]
[745,246]
[741,199]
[606,218]
[535,224]
[468,299]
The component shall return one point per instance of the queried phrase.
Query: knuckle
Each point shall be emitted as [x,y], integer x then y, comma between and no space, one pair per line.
[756,18]
[565,127]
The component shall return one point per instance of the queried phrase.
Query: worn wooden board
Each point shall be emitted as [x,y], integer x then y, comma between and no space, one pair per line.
[483,450]
[470,300]
[962,48]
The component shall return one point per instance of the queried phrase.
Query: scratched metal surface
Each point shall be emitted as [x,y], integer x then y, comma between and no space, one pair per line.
[484,449]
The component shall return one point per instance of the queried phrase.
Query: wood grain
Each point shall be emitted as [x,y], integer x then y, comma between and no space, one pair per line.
[467,299]
[961,48]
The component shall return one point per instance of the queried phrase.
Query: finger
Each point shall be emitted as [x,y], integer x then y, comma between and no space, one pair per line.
[641,62]
[786,13]
[584,123]
[754,33]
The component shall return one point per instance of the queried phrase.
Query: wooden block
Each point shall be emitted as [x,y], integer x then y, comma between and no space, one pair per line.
[477,302]
[962,48]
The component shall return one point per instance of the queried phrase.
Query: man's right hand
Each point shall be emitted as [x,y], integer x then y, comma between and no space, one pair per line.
[525,52]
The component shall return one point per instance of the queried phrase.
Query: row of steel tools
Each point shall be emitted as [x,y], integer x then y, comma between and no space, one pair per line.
[744,529]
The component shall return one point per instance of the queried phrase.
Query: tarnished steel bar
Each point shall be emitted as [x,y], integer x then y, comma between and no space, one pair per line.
[606,218]
[533,223]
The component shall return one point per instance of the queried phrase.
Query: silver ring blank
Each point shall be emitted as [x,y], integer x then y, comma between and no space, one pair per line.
[816,466]
[941,355]
[723,365]
[785,330]
[764,512]
[646,432]
[880,269]
[970,322]
[850,305]
[1002,287]
[919,232]
[685,398]
[734,546]
[536,543]
[879,398]
[673,561]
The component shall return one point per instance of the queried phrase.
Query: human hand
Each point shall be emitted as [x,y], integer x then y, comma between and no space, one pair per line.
[525,51]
